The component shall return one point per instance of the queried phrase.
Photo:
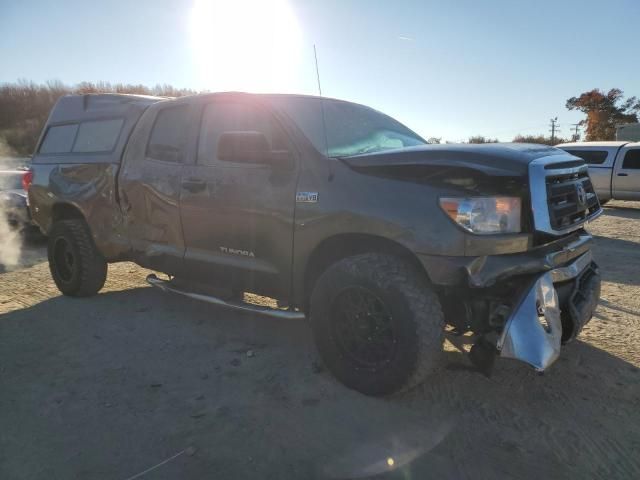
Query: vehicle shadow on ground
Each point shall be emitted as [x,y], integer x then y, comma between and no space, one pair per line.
[618,259]
[622,211]
[110,386]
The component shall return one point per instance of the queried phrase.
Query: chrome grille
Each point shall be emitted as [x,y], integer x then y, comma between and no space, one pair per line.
[571,199]
[562,195]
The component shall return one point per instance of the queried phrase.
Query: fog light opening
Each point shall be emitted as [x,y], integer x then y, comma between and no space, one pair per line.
[542,317]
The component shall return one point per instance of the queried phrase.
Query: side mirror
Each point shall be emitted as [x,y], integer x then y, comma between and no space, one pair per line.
[249,147]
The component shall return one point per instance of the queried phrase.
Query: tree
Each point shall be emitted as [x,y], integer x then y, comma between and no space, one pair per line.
[538,139]
[605,111]
[481,139]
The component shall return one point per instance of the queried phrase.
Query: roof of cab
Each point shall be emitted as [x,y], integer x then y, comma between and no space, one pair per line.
[614,144]
[198,96]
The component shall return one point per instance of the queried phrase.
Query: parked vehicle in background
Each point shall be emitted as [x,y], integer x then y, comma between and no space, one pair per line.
[13,199]
[614,167]
[629,132]
[339,212]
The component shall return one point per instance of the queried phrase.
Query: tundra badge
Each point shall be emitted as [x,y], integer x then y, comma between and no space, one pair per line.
[236,251]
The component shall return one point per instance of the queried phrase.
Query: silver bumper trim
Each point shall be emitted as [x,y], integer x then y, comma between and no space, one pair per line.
[571,271]
[533,332]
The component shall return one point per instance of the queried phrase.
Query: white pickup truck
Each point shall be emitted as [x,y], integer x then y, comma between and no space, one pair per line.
[614,167]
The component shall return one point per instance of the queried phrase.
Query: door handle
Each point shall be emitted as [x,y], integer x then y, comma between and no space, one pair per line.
[193,185]
[623,174]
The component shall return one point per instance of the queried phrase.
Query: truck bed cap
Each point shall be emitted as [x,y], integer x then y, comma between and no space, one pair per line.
[95,105]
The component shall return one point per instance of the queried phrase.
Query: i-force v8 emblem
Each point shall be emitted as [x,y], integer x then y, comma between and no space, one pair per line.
[307,197]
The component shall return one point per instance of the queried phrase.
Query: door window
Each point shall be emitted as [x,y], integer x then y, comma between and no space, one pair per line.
[168,138]
[222,117]
[632,160]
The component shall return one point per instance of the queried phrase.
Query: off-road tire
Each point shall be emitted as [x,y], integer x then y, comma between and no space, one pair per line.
[86,273]
[414,313]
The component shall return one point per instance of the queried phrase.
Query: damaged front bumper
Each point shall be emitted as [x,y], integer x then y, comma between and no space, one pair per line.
[524,305]
[543,319]
[487,270]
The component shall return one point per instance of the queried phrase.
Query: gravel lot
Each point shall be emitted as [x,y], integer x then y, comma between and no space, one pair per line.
[112,386]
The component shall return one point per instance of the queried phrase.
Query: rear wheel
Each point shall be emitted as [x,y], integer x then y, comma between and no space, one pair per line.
[77,267]
[377,324]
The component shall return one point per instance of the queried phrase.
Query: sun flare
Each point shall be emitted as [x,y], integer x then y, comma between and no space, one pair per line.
[249,45]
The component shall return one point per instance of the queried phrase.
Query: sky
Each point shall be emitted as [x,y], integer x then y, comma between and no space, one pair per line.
[448,69]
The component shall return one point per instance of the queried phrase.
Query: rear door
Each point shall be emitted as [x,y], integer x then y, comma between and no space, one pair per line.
[238,217]
[150,183]
[626,174]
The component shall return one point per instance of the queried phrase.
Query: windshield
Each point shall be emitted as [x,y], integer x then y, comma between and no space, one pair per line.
[351,129]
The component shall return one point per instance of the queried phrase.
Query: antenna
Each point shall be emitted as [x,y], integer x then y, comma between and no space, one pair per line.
[315,56]
[324,122]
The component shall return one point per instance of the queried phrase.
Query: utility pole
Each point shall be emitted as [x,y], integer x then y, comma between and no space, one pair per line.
[576,135]
[554,128]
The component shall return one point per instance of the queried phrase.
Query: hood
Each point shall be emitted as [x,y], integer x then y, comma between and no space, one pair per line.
[493,159]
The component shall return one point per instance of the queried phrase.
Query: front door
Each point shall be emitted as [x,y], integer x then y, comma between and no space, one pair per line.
[626,175]
[238,216]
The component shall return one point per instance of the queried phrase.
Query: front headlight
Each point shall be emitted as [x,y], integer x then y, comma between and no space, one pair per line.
[484,215]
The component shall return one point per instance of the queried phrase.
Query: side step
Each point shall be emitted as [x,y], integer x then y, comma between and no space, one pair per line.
[166,286]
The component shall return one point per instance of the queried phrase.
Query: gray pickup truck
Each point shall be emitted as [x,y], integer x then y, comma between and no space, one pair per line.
[337,211]
[614,167]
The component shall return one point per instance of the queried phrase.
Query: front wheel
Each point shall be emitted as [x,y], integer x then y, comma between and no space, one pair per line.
[377,323]
[77,267]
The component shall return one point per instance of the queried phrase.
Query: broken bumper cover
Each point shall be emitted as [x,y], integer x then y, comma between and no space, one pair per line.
[542,319]
[485,271]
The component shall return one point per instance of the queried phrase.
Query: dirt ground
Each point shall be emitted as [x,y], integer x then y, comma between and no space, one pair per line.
[134,383]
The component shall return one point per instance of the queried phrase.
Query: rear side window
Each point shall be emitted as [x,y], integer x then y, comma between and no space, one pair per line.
[168,138]
[59,139]
[94,136]
[591,157]
[98,136]
[632,159]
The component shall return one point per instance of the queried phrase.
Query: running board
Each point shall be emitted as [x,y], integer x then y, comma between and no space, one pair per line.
[166,286]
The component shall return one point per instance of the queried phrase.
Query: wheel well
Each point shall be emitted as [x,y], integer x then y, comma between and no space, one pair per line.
[65,211]
[338,247]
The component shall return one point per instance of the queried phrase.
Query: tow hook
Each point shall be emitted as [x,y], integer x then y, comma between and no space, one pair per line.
[483,355]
